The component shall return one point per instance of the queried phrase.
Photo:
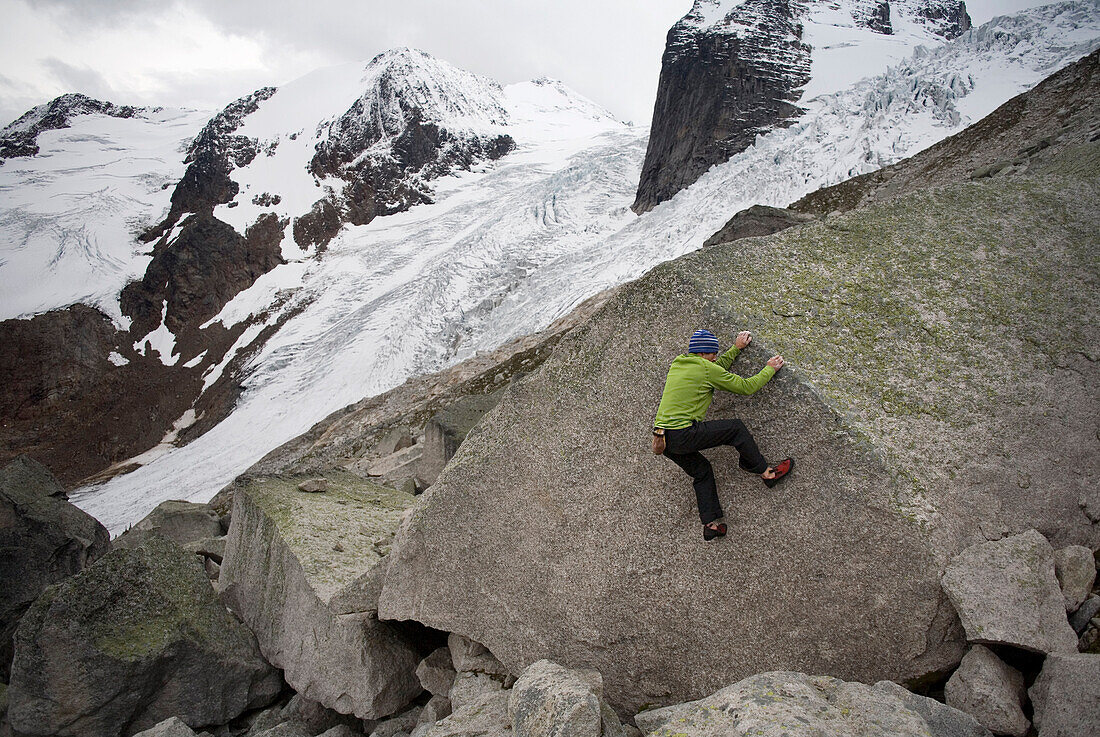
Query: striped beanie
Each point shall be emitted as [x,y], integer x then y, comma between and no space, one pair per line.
[703,341]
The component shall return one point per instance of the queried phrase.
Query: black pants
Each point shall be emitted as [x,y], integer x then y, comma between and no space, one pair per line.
[682,448]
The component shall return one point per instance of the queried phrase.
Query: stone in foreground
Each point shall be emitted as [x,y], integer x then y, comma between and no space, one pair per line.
[43,539]
[990,691]
[551,701]
[1005,591]
[131,641]
[1076,571]
[302,571]
[173,727]
[485,717]
[798,705]
[1066,696]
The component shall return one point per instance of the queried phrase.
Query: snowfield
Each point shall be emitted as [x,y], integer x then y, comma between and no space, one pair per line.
[511,246]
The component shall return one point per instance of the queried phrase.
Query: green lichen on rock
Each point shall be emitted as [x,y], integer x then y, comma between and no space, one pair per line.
[336,535]
[920,319]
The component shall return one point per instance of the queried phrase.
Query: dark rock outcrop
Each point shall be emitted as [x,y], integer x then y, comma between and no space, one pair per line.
[43,539]
[724,80]
[719,89]
[59,382]
[755,221]
[19,138]
[129,642]
[200,271]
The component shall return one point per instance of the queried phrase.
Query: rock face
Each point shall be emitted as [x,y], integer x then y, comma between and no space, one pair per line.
[129,642]
[1005,592]
[43,539]
[608,569]
[302,571]
[732,70]
[990,691]
[720,86]
[798,705]
[1066,696]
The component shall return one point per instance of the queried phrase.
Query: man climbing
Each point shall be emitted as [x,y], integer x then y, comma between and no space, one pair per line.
[680,433]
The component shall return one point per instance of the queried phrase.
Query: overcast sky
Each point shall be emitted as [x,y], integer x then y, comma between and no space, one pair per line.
[206,53]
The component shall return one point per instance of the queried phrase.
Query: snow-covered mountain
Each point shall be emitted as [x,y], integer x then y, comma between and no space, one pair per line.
[504,246]
[736,69]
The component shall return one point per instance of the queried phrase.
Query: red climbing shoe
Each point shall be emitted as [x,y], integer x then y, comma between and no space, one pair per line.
[782,469]
[709,533]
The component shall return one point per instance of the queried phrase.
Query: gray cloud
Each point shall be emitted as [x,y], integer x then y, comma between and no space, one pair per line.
[79,79]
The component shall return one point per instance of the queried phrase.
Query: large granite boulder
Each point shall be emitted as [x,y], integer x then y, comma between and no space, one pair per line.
[991,691]
[134,639]
[555,533]
[798,705]
[303,572]
[43,539]
[1005,592]
[181,522]
[1066,696]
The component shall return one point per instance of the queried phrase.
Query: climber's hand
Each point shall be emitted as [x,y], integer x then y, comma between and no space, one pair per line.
[743,339]
[776,362]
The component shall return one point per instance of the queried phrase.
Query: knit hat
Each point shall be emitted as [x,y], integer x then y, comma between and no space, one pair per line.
[703,341]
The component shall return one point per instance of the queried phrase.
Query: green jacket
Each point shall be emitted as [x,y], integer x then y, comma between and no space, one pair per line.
[690,387]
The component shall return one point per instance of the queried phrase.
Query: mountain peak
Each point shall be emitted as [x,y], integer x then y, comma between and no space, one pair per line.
[18,138]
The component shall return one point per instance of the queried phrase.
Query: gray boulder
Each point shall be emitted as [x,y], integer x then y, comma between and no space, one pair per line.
[179,521]
[487,716]
[990,691]
[43,539]
[551,701]
[1079,620]
[315,717]
[470,688]
[446,430]
[403,723]
[437,672]
[1005,591]
[467,655]
[171,727]
[1076,571]
[129,642]
[437,708]
[798,705]
[302,571]
[212,548]
[1066,696]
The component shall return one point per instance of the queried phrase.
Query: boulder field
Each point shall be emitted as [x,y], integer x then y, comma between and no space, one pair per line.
[941,390]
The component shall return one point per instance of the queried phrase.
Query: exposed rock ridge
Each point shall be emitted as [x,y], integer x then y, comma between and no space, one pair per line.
[19,138]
